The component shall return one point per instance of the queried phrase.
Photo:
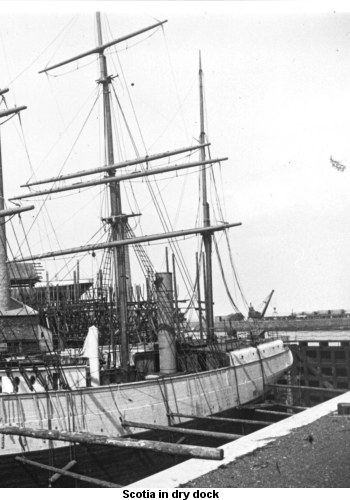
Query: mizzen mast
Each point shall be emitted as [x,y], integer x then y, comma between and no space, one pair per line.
[207,237]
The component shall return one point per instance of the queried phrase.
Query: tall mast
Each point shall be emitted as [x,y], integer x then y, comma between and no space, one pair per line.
[207,238]
[117,220]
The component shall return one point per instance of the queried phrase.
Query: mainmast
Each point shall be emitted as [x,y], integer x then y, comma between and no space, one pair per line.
[207,237]
[117,220]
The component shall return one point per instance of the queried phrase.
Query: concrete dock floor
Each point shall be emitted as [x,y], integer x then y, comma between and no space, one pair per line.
[307,450]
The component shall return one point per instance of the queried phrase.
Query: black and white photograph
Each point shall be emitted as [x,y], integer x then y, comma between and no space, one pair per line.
[174,247]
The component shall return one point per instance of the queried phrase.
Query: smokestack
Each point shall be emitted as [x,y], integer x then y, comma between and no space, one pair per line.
[166,334]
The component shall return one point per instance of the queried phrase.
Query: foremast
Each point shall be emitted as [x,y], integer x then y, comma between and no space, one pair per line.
[117,220]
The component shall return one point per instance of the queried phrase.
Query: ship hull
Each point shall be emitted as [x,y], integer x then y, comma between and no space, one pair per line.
[101,410]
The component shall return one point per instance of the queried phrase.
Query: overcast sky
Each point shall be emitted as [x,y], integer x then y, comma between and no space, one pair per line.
[277,87]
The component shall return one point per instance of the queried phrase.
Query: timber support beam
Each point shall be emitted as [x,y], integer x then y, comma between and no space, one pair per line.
[64,472]
[182,430]
[57,475]
[120,442]
[308,388]
[223,419]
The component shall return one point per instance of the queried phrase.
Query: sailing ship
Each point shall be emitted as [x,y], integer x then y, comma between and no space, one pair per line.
[144,368]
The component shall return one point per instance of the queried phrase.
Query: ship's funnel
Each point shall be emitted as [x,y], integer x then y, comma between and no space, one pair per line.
[90,351]
[166,336]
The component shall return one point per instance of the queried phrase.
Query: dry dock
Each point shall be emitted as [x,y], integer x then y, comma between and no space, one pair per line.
[309,449]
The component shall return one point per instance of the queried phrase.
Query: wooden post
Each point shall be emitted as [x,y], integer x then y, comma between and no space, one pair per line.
[56,476]
[308,388]
[182,430]
[120,442]
[293,407]
[273,412]
[64,472]
[223,419]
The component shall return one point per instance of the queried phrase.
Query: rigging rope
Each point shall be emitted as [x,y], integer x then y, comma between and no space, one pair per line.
[43,51]
[234,305]
[43,204]
[221,216]
[163,214]
[174,246]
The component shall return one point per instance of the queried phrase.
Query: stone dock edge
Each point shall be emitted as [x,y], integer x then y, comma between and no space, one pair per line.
[195,468]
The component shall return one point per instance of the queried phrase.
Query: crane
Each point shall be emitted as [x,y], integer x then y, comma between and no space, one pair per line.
[253,314]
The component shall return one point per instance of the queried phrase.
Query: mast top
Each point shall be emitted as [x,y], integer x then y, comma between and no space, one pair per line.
[101,48]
